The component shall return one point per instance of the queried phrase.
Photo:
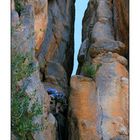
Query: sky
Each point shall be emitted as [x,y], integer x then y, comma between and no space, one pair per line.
[80,8]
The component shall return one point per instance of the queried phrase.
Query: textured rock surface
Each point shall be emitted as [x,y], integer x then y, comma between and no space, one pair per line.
[121,20]
[23,31]
[58,43]
[112,92]
[55,55]
[23,41]
[83,51]
[107,46]
[56,77]
[82,109]
[102,28]
[41,19]
[98,108]
[46,28]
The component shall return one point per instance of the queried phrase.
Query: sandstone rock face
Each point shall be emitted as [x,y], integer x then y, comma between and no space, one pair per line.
[23,30]
[121,20]
[102,28]
[55,55]
[40,11]
[58,42]
[89,19]
[107,46]
[56,77]
[98,107]
[83,51]
[44,30]
[112,92]
[23,41]
[82,109]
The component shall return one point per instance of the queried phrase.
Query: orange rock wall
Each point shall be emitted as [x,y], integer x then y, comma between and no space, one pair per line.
[83,106]
[99,107]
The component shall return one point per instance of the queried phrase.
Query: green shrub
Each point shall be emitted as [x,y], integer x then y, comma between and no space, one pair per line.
[19,6]
[90,70]
[22,114]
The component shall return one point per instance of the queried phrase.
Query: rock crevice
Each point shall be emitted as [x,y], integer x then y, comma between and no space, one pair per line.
[44,29]
[93,108]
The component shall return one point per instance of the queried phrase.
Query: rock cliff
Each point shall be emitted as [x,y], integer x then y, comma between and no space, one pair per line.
[98,106]
[43,31]
[92,105]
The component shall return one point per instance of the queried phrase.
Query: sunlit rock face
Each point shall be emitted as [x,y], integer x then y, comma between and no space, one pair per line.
[112,91]
[98,107]
[82,109]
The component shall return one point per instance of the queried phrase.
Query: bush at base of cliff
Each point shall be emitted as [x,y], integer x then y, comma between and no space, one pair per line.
[90,70]
[21,111]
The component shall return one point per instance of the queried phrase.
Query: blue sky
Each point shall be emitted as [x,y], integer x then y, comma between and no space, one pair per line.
[80,6]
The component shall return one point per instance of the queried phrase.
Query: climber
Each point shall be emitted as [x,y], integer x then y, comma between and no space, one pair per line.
[51,91]
[59,109]
[57,96]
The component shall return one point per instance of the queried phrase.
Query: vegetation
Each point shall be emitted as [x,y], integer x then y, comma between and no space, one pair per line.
[19,6]
[21,110]
[90,70]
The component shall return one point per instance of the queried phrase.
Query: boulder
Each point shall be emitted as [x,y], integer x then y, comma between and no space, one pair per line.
[103,46]
[102,31]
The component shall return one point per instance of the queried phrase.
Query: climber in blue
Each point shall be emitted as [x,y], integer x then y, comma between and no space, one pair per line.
[52,91]
[55,95]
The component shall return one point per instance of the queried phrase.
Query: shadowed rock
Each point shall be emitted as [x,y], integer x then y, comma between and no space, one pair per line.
[121,20]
